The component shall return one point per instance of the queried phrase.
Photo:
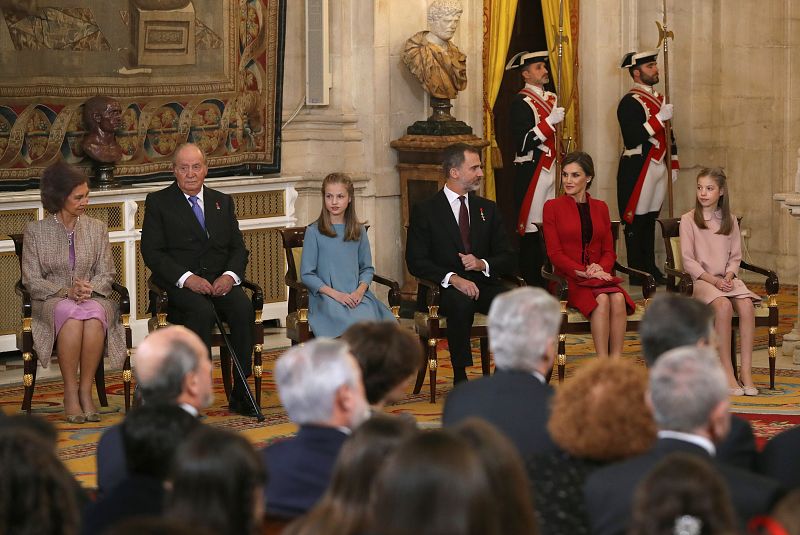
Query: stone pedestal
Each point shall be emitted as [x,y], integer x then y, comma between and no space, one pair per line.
[791,341]
[421,176]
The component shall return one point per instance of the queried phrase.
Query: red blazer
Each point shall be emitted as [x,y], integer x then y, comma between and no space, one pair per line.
[562,235]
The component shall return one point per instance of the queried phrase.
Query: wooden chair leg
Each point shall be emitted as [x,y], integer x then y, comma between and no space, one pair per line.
[28,380]
[561,358]
[772,348]
[126,381]
[433,366]
[257,369]
[100,383]
[733,354]
[424,369]
[486,364]
[225,367]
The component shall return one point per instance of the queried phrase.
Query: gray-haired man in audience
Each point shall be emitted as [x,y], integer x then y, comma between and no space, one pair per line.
[689,397]
[171,365]
[523,332]
[320,386]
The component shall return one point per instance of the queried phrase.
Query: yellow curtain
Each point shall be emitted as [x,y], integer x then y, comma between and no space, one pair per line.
[568,95]
[498,23]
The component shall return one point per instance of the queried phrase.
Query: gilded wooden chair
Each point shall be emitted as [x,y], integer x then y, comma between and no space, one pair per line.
[680,281]
[431,327]
[573,322]
[30,359]
[297,327]
[159,305]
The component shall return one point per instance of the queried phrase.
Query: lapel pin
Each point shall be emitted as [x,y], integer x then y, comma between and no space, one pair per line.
[483,218]
[218,208]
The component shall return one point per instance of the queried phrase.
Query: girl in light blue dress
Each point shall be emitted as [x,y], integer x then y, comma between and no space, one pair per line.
[337,264]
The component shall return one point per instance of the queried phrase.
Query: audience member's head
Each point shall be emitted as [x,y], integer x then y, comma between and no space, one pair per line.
[674,321]
[319,383]
[435,483]
[689,393]
[601,414]
[785,516]
[37,493]
[683,494]
[155,526]
[217,481]
[388,356]
[344,508]
[510,489]
[38,426]
[151,434]
[523,330]
[172,366]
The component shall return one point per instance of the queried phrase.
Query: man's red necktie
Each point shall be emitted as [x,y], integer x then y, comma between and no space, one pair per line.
[463,224]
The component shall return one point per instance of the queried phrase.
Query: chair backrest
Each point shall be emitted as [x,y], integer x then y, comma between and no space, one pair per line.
[17,239]
[670,231]
[293,247]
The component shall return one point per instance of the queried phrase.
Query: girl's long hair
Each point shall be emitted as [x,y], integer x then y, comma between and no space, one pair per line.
[352,226]
[724,203]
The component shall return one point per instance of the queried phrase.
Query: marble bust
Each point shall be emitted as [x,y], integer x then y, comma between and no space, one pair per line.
[102,116]
[437,63]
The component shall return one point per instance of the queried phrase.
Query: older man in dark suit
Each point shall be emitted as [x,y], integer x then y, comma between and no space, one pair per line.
[457,239]
[192,243]
[523,332]
[689,397]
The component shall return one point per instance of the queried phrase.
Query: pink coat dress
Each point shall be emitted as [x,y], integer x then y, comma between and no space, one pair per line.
[704,251]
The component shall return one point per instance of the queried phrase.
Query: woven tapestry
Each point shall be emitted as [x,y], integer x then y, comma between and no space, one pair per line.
[202,71]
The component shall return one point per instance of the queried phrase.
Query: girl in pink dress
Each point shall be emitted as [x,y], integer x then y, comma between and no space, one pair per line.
[711,247]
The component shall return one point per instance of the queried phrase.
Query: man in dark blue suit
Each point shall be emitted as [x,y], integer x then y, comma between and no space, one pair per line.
[172,367]
[523,333]
[192,243]
[458,240]
[689,397]
[320,387]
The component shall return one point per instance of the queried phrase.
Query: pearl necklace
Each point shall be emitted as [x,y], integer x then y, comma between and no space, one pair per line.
[70,233]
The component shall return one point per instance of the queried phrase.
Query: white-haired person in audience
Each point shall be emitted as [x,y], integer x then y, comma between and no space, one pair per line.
[689,397]
[523,332]
[320,386]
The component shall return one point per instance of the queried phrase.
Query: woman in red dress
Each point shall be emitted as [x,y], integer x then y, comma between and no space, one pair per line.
[577,232]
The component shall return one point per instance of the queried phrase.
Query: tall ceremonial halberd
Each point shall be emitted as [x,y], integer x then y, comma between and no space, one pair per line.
[534,114]
[643,174]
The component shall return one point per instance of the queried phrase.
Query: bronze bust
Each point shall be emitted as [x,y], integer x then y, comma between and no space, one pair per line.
[102,116]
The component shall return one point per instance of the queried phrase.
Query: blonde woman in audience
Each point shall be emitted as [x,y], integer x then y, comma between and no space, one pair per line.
[711,248]
[597,417]
[683,495]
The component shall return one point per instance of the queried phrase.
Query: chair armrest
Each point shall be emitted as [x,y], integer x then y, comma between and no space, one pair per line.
[513,281]
[124,298]
[300,293]
[685,282]
[434,291]
[561,285]
[648,283]
[27,307]
[394,288]
[162,301]
[258,294]
[771,284]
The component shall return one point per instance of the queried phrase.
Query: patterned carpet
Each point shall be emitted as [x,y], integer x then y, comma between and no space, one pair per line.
[771,412]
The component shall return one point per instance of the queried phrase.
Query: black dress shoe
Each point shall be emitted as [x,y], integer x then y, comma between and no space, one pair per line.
[242,406]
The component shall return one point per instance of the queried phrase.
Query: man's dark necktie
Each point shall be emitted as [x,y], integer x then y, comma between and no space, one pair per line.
[463,224]
[198,212]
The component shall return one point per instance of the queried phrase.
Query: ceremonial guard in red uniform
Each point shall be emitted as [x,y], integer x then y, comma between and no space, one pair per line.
[643,174]
[534,114]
